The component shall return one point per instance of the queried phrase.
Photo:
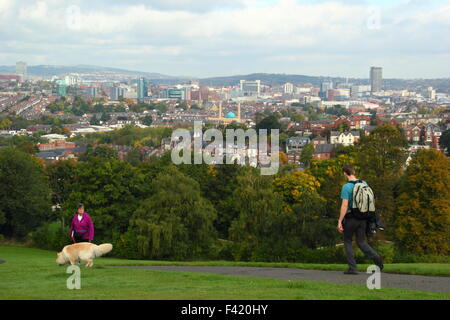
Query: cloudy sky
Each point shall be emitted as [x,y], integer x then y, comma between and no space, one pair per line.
[202,38]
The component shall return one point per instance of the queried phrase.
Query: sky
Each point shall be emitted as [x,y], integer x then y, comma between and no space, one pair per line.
[206,38]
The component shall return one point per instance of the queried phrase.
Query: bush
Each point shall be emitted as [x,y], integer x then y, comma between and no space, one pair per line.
[51,236]
[125,246]
[221,250]
[408,257]
[386,251]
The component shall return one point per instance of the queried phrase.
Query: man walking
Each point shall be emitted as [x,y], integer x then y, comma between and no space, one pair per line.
[351,225]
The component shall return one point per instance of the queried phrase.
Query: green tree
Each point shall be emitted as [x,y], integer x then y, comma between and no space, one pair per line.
[5,123]
[94,121]
[104,152]
[105,117]
[307,154]
[111,191]
[27,146]
[380,159]
[422,219]
[175,222]
[134,157]
[258,230]
[270,122]
[147,120]
[444,141]
[24,195]
[329,174]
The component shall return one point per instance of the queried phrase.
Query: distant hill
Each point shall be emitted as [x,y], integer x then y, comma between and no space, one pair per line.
[51,70]
[272,79]
[441,85]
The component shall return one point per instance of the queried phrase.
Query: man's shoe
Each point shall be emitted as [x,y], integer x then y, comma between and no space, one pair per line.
[379,263]
[350,272]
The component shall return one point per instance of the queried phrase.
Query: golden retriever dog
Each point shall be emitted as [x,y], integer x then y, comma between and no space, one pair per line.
[84,251]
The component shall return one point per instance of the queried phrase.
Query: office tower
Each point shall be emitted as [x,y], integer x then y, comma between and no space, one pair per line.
[142,89]
[250,88]
[21,70]
[288,88]
[61,90]
[114,93]
[91,92]
[324,87]
[431,94]
[376,79]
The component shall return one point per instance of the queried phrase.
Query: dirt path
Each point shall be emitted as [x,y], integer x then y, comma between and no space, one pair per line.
[390,280]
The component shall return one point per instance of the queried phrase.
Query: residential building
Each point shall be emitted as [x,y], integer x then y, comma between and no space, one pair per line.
[345,138]
[324,151]
[296,144]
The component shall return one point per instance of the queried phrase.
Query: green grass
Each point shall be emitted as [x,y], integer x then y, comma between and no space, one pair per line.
[33,274]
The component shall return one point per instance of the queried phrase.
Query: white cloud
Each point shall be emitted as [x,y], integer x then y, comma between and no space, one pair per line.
[212,36]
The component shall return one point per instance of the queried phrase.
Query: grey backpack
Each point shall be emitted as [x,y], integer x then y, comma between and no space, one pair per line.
[363,206]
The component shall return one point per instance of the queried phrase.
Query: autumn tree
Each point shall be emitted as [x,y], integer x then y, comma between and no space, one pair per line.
[444,141]
[381,158]
[311,225]
[422,217]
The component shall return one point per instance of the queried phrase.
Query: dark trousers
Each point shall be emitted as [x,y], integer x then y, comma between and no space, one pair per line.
[358,227]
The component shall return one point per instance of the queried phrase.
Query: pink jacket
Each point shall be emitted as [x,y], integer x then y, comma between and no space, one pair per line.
[85,226]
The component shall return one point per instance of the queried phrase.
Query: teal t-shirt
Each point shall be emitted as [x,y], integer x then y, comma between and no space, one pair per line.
[347,192]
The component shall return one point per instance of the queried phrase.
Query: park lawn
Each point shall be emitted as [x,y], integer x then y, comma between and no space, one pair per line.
[33,274]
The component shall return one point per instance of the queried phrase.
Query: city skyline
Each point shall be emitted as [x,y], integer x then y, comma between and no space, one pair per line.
[230,37]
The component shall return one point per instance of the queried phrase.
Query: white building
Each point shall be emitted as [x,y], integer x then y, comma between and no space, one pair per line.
[288,88]
[345,138]
[250,88]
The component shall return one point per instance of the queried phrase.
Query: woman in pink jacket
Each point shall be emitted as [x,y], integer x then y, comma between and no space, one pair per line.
[82,227]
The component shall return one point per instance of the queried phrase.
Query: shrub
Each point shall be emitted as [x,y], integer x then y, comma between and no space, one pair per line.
[51,236]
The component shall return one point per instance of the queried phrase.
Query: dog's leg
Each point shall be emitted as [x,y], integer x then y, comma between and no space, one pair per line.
[89,263]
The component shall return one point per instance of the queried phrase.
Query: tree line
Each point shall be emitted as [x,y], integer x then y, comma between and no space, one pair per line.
[153,209]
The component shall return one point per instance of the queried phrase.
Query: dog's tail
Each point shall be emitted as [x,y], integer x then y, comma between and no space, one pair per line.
[103,249]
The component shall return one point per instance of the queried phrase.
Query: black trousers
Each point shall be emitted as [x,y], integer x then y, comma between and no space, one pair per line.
[357,227]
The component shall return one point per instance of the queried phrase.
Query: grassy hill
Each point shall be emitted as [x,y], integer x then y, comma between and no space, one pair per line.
[33,274]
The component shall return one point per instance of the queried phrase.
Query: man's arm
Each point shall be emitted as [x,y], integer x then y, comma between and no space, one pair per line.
[344,207]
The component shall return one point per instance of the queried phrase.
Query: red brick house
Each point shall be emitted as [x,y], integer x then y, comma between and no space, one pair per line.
[324,151]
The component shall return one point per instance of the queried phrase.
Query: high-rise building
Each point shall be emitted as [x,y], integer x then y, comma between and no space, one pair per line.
[183,93]
[116,93]
[250,88]
[431,94]
[91,92]
[288,88]
[324,87]
[376,79]
[142,89]
[61,90]
[21,70]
